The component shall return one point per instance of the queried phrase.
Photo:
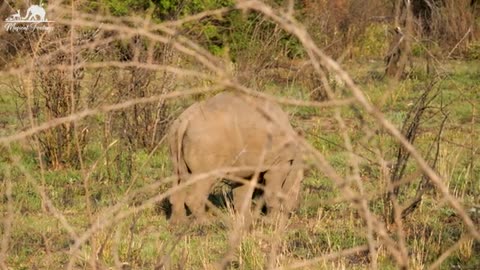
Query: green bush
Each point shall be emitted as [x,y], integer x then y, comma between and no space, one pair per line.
[126,7]
[373,43]
[473,51]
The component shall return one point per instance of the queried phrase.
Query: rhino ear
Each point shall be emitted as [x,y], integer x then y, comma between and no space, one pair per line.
[300,132]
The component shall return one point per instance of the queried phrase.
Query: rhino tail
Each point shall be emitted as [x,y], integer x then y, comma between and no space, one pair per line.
[172,145]
[176,148]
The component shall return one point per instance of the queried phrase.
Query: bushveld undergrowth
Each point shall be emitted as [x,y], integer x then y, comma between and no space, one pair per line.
[391,166]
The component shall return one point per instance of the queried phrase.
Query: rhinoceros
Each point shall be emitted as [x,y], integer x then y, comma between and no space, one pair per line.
[252,136]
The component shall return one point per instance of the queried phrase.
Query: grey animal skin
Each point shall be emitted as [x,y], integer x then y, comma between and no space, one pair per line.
[233,130]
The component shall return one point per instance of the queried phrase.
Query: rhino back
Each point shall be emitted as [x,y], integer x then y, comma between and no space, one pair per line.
[228,130]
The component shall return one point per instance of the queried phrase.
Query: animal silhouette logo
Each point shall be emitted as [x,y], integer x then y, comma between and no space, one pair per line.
[34,19]
[35,13]
[14,17]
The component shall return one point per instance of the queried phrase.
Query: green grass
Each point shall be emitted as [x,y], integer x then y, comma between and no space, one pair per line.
[321,225]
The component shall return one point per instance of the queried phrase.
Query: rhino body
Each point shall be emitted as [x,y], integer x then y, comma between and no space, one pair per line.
[232,130]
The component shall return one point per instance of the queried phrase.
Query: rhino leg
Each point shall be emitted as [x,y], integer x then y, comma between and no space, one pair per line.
[291,186]
[177,200]
[197,197]
[273,195]
[240,197]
